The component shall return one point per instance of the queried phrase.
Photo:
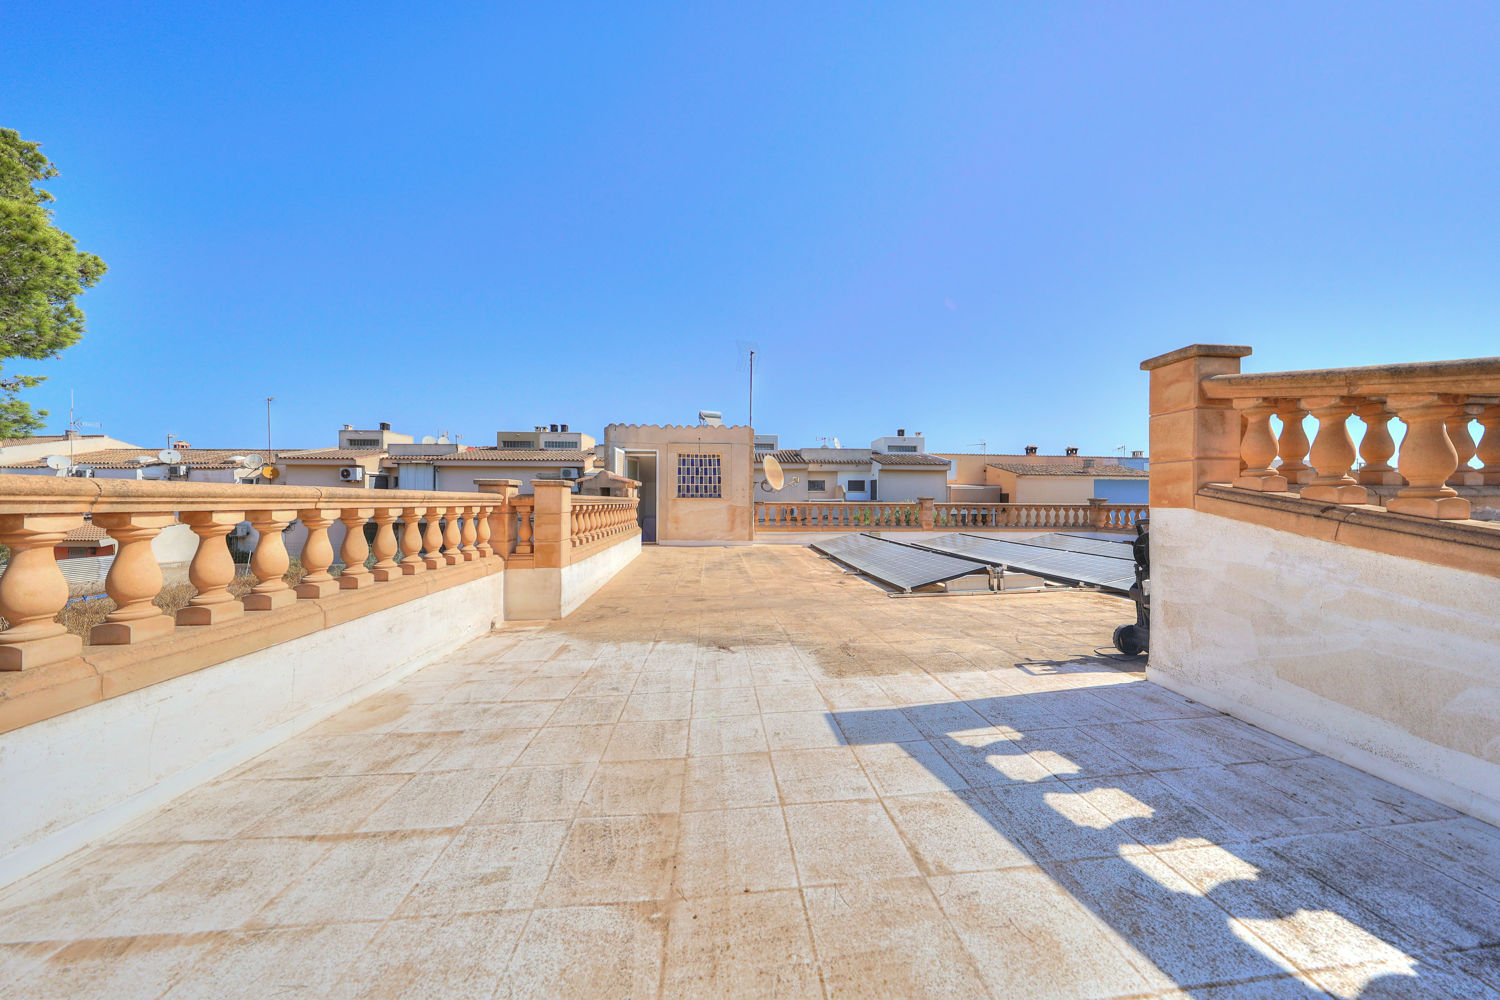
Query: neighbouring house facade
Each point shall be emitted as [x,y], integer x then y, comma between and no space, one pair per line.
[896,469]
[455,469]
[71,444]
[1031,477]
[195,465]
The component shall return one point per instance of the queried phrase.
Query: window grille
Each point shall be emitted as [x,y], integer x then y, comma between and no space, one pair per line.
[698,476]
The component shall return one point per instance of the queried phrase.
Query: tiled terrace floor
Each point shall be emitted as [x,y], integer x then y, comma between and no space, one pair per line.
[738,772]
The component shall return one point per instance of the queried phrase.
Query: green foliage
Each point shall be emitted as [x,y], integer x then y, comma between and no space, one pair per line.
[41,272]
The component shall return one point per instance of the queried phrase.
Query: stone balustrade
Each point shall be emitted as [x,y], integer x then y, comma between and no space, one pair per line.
[1438,403]
[848,515]
[416,534]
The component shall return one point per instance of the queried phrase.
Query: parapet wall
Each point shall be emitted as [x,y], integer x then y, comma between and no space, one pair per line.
[1388,663]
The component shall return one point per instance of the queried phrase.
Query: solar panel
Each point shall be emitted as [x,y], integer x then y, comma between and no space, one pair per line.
[1116,548]
[905,567]
[1106,572]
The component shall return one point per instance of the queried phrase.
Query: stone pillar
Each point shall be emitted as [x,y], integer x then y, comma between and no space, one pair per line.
[926,513]
[212,569]
[1097,513]
[33,590]
[552,532]
[1194,440]
[133,582]
[502,516]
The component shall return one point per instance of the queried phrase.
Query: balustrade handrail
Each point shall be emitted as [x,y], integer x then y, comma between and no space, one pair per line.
[1468,376]
[26,494]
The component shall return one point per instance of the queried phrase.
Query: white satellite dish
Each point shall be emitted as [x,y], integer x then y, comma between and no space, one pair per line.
[253,461]
[58,462]
[775,478]
[428,439]
[836,443]
[169,455]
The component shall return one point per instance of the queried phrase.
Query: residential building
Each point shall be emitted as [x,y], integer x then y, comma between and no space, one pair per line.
[1031,477]
[446,466]
[70,443]
[697,483]
[895,468]
[195,465]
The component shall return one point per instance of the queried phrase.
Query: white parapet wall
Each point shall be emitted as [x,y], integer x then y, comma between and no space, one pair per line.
[532,594]
[1385,662]
[77,776]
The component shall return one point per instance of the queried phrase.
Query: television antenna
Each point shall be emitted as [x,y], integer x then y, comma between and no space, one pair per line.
[747,350]
[76,426]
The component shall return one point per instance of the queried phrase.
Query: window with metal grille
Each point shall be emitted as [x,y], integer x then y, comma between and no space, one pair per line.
[816,485]
[363,443]
[856,486]
[560,444]
[906,448]
[698,476]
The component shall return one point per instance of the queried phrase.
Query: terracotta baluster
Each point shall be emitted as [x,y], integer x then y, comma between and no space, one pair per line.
[133,581]
[385,546]
[432,539]
[269,562]
[355,550]
[523,530]
[317,555]
[1463,446]
[33,590]
[1377,446]
[411,541]
[452,536]
[1333,451]
[1427,458]
[1258,448]
[212,569]
[483,532]
[470,534]
[1291,444]
[1489,445]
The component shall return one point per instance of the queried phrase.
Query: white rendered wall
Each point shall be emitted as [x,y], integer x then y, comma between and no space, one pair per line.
[80,775]
[1389,664]
[538,594]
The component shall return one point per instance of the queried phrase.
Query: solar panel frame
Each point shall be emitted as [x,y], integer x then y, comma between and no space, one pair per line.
[1113,549]
[905,567]
[1062,566]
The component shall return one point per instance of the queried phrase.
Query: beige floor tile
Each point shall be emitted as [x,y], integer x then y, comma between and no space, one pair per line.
[613,859]
[908,768]
[525,794]
[565,745]
[622,959]
[305,807]
[577,711]
[771,955]
[721,703]
[889,939]
[648,740]
[359,878]
[845,842]
[800,730]
[480,750]
[296,961]
[1030,938]
[820,775]
[954,833]
[433,799]
[734,850]
[137,968]
[737,734]
[799,697]
[453,957]
[498,867]
[729,781]
[658,706]
[634,787]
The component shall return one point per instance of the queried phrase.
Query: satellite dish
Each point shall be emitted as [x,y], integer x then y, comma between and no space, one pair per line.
[836,443]
[144,460]
[269,473]
[58,462]
[774,476]
[428,439]
[169,455]
[253,461]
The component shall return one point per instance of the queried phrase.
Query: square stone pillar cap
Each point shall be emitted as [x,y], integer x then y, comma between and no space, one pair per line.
[1194,351]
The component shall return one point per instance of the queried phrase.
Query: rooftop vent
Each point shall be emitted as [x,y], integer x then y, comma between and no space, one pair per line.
[385,425]
[565,428]
[1137,454]
[1031,449]
[554,428]
[901,432]
[348,427]
[710,418]
[1072,452]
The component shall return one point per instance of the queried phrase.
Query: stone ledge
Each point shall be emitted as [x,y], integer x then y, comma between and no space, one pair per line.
[1473,546]
[103,672]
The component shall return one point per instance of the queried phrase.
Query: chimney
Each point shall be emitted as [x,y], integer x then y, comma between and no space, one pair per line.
[385,425]
[348,427]
[1137,454]
[1031,449]
[1072,452]
[901,432]
[554,428]
[565,428]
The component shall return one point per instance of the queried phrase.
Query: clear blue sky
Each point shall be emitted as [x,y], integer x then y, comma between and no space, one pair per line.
[973,220]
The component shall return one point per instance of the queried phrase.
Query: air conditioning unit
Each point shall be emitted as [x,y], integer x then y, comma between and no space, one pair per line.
[352,474]
[180,471]
[570,473]
[82,473]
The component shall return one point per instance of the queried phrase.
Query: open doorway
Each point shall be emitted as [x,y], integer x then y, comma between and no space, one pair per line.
[641,466]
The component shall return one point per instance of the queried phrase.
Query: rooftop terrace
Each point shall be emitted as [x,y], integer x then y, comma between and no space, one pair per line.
[740,772]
